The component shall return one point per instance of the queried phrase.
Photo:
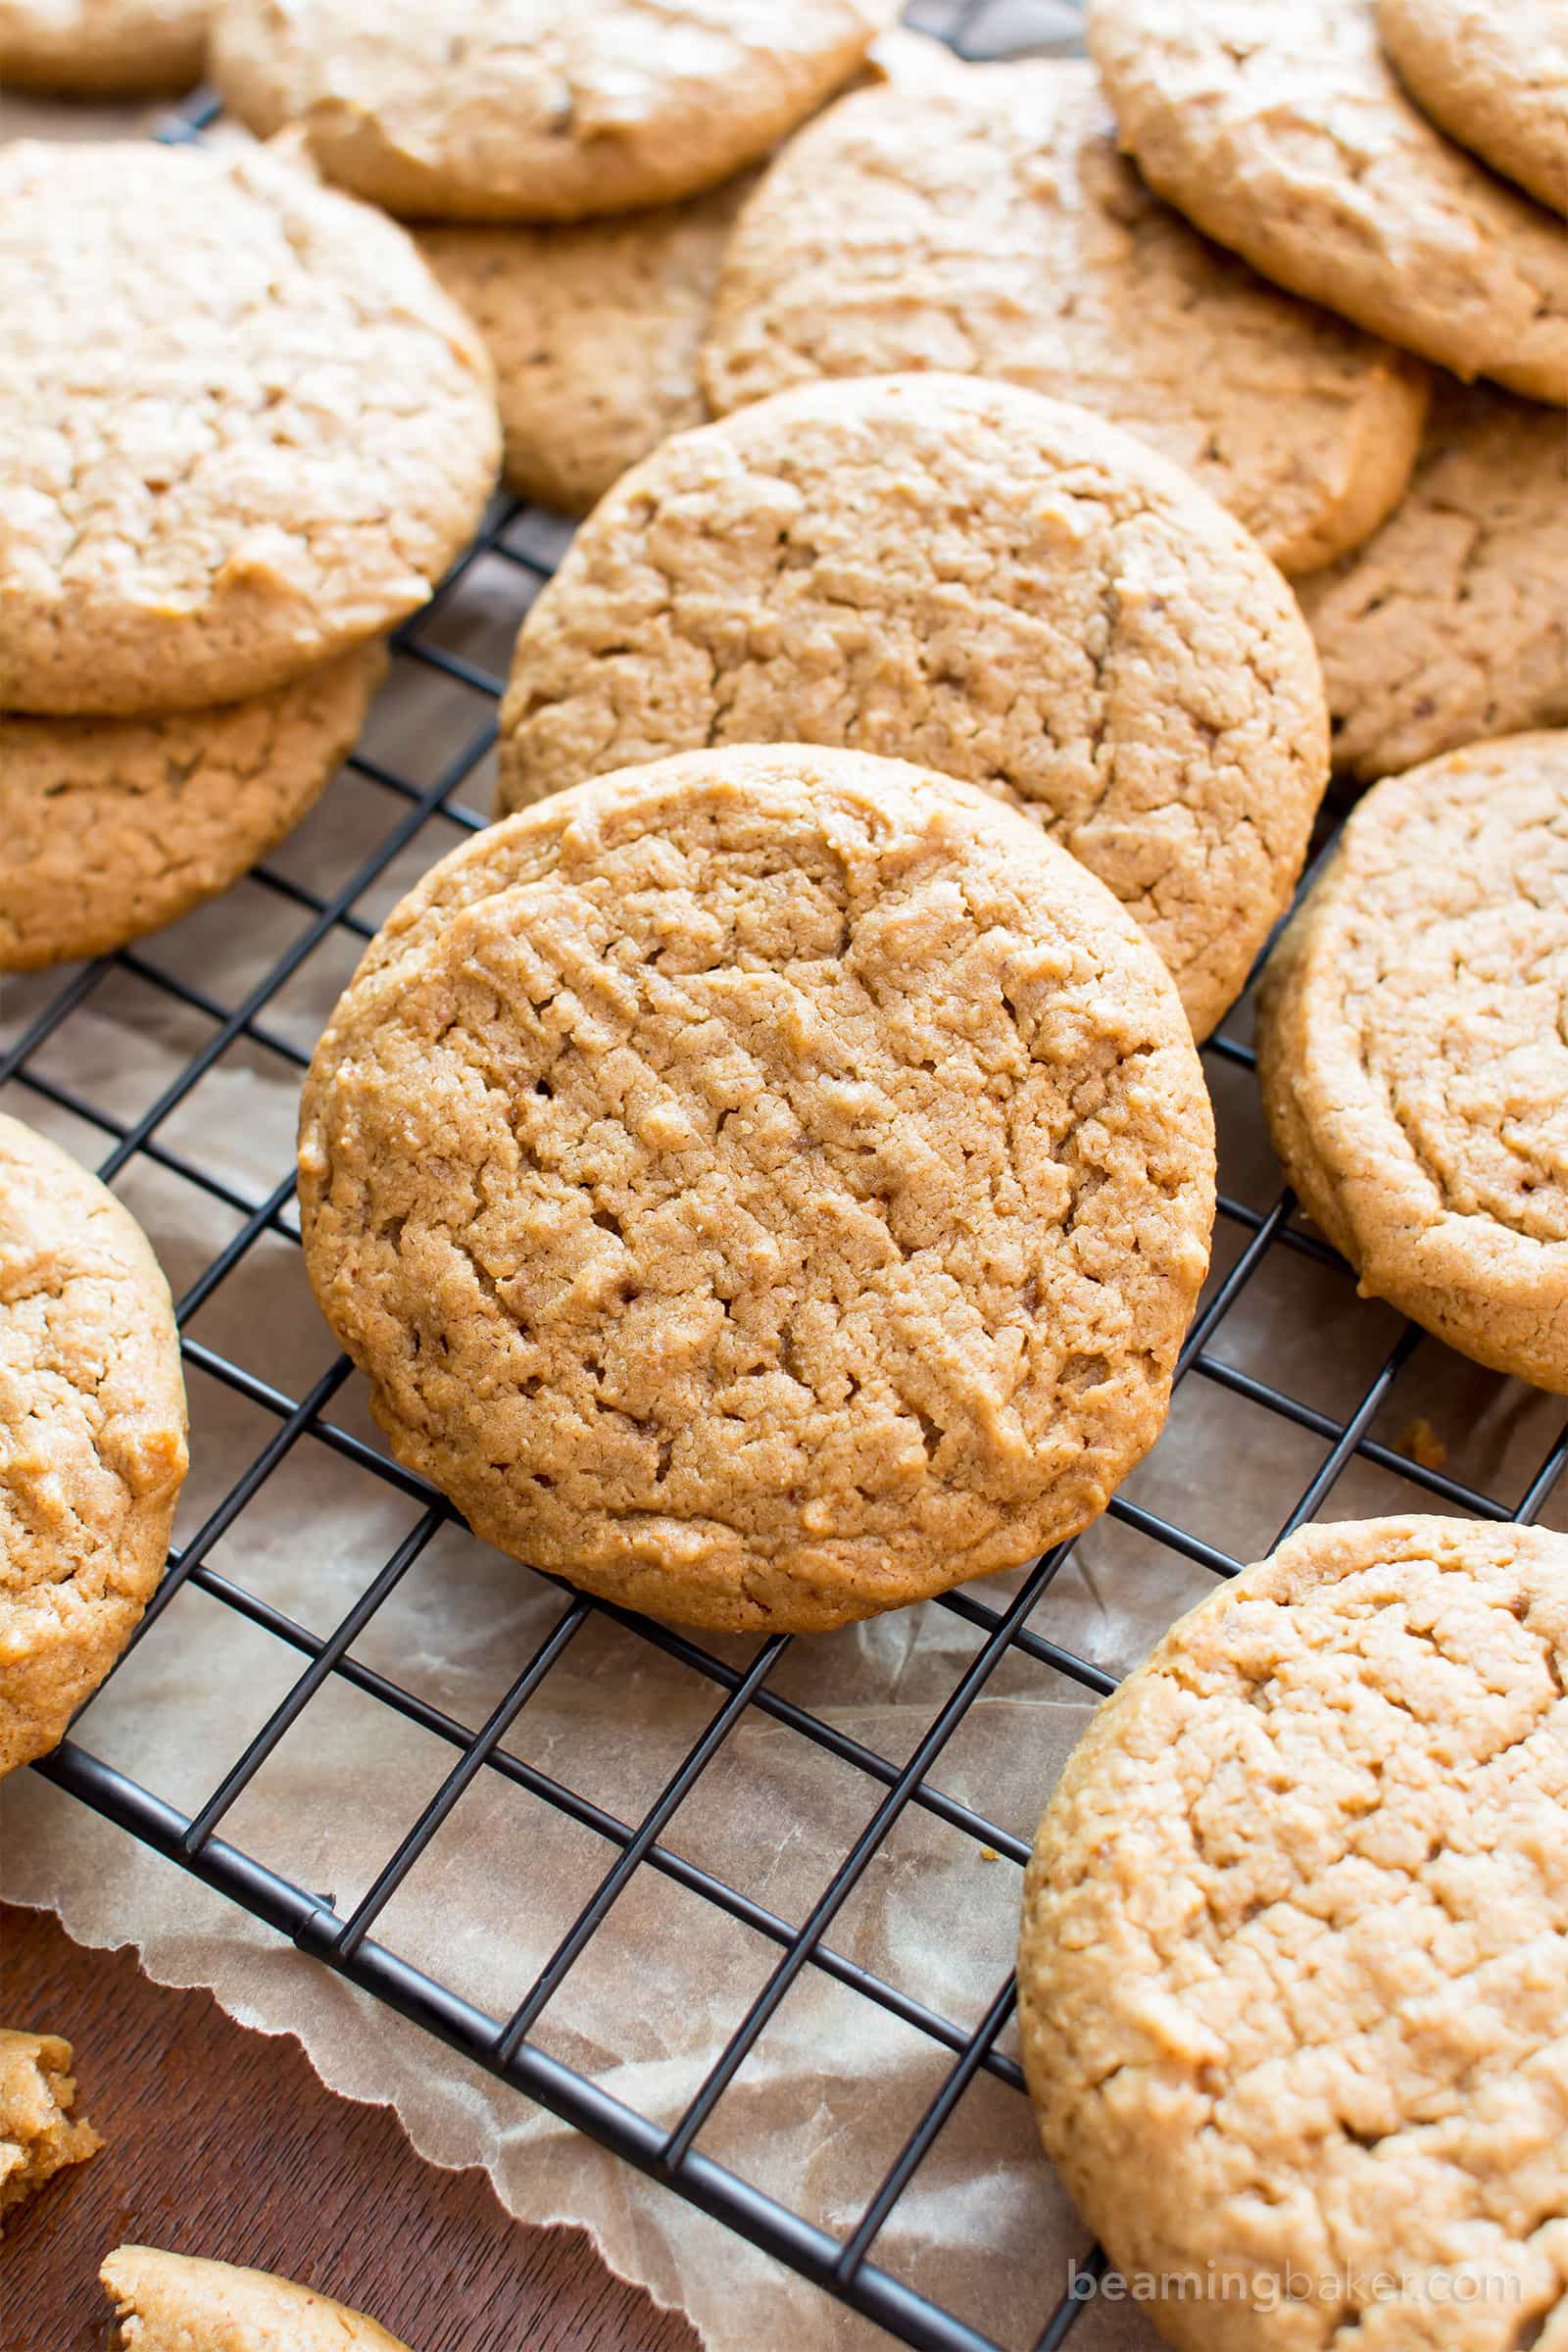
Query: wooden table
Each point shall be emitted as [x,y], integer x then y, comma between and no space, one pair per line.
[221,2141]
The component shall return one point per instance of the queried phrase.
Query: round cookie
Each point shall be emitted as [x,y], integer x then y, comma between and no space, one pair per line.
[182,2303]
[113,827]
[102,48]
[1412,1052]
[537,112]
[92,1436]
[986,223]
[1292,1976]
[1494,75]
[245,428]
[593,330]
[972,577]
[1451,623]
[1279,127]
[766,1187]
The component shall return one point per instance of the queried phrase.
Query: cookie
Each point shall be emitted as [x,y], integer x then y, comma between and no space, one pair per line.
[1413,1057]
[1292,1976]
[102,48]
[115,826]
[1451,623]
[1279,127]
[180,2303]
[974,578]
[594,331]
[537,114]
[38,2135]
[92,1436]
[767,1187]
[245,429]
[1494,77]
[985,222]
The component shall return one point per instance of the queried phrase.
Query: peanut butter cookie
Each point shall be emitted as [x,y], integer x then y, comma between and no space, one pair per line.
[92,1436]
[102,48]
[1451,624]
[1494,75]
[245,429]
[1280,129]
[180,2303]
[1413,1056]
[977,579]
[38,2134]
[1294,1971]
[112,827]
[766,1187]
[984,223]
[536,112]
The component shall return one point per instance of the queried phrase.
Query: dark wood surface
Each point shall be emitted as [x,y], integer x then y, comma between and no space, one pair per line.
[221,2141]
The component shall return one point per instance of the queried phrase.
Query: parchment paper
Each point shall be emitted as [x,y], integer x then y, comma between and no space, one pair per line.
[822,2105]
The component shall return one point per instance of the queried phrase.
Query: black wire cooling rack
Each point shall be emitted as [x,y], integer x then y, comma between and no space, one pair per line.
[1252,1237]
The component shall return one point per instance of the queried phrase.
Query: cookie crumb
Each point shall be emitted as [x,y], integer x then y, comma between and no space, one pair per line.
[38,2136]
[1421,1442]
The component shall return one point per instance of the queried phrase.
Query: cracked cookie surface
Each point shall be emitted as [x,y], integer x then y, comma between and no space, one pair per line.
[102,48]
[245,428]
[1279,127]
[1451,624]
[536,112]
[974,578]
[984,224]
[1495,78]
[92,1436]
[766,1187]
[1413,1050]
[183,2303]
[113,827]
[1294,1964]
[38,2134]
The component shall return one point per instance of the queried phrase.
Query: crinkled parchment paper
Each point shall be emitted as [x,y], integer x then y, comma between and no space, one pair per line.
[823,2102]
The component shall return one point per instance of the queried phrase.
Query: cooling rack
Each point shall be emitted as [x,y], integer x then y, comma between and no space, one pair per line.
[1247,1406]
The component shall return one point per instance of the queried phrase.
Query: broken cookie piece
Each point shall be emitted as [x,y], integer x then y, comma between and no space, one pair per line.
[38,2136]
[180,2303]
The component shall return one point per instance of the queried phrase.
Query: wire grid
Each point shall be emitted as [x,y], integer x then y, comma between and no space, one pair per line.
[841,2264]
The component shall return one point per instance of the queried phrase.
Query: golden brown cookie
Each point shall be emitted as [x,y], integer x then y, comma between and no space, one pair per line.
[1280,129]
[102,48]
[593,330]
[972,577]
[244,428]
[1451,623]
[766,1187]
[180,2303]
[983,221]
[92,1436]
[536,112]
[112,827]
[1293,1978]
[1413,1054]
[38,2134]
[1494,75]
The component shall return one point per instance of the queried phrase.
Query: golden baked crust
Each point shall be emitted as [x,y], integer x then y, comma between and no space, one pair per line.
[593,330]
[1413,1057]
[102,48]
[1293,1966]
[538,111]
[38,2135]
[766,1187]
[972,577]
[112,827]
[92,1436]
[245,429]
[180,2303]
[1494,75]
[1452,623]
[1279,127]
[984,223]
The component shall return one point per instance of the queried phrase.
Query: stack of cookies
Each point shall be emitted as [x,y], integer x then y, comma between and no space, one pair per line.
[246,432]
